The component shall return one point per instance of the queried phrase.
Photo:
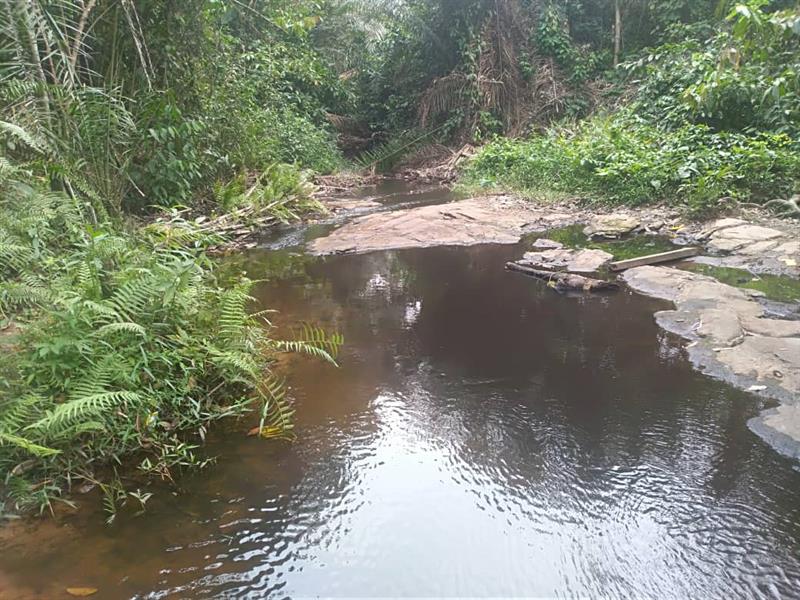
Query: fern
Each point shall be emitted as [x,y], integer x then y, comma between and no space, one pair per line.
[233,317]
[124,327]
[134,296]
[276,412]
[388,155]
[65,415]
[27,445]
[314,342]
[26,137]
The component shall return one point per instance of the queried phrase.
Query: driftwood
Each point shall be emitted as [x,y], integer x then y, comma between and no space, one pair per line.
[653,259]
[563,281]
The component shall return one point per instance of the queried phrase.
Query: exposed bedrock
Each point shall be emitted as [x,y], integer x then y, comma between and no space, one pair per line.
[732,338]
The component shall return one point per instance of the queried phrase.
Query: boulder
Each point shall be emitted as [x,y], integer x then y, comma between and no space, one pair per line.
[574,261]
[611,226]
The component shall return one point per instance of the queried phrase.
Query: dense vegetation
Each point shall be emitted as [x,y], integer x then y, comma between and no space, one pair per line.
[127,123]
[123,342]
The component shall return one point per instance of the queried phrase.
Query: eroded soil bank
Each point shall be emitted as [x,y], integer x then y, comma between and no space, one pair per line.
[731,333]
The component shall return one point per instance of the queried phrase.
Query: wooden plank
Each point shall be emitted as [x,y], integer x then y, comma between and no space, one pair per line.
[653,259]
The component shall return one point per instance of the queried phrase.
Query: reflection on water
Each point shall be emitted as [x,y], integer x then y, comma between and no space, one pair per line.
[483,436]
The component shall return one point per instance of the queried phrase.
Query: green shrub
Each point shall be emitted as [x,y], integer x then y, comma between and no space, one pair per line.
[129,347]
[623,159]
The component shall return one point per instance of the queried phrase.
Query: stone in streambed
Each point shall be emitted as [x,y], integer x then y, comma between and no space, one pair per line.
[545,244]
[611,226]
[729,239]
[574,261]
[733,339]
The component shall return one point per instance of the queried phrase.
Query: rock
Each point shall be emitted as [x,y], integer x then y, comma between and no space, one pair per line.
[557,258]
[654,226]
[729,239]
[497,220]
[575,261]
[767,360]
[733,339]
[611,226]
[337,205]
[589,261]
[545,244]
[771,327]
[759,247]
[717,225]
[721,326]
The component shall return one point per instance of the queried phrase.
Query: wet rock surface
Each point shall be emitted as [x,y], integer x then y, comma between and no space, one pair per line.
[495,219]
[574,261]
[739,244]
[733,338]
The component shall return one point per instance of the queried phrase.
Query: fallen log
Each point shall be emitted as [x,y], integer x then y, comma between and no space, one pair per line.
[562,281]
[652,259]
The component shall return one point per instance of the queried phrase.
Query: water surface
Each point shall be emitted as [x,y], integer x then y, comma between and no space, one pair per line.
[483,436]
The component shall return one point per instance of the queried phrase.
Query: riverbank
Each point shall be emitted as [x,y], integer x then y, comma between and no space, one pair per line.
[732,333]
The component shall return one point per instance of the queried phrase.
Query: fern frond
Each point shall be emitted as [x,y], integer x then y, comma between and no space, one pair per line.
[233,318]
[124,327]
[67,414]
[26,444]
[315,342]
[102,310]
[132,297]
[16,413]
[31,140]
[242,362]
[276,412]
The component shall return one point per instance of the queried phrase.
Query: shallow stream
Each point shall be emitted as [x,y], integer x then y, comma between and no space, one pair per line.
[483,436]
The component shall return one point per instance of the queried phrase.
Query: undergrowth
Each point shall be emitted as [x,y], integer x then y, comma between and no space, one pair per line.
[121,348]
[624,159]
[711,122]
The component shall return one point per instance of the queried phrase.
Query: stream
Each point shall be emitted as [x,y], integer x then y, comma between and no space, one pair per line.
[483,436]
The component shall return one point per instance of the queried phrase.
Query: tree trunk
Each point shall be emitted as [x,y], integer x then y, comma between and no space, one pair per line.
[617,31]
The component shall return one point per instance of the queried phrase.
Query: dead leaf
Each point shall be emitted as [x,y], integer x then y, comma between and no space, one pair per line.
[81,592]
[266,432]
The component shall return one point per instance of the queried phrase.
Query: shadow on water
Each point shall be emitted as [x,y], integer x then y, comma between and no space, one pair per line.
[483,436]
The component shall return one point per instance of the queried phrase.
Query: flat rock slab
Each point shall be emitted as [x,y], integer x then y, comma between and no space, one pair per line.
[733,339]
[611,226]
[496,220]
[337,205]
[757,248]
[574,261]
[545,244]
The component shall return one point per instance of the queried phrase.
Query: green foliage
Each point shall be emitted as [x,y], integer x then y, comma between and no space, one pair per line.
[743,79]
[147,103]
[627,160]
[282,190]
[711,121]
[130,346]
[169,162]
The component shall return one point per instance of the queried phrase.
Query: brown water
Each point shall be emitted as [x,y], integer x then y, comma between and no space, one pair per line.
[483,436]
